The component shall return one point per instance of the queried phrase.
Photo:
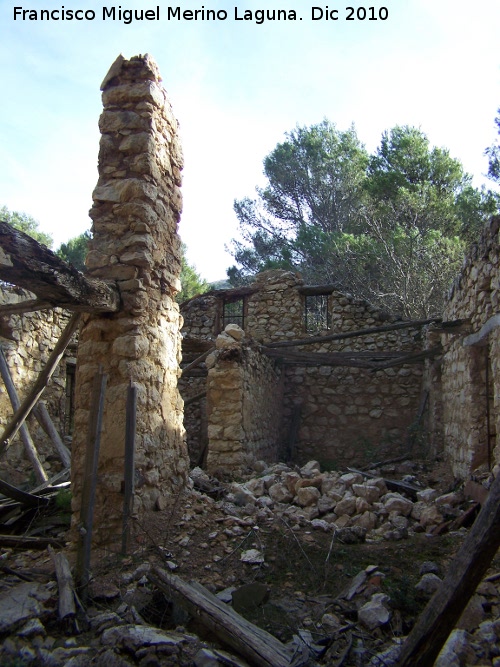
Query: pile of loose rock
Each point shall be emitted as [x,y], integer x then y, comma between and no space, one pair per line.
[357,506]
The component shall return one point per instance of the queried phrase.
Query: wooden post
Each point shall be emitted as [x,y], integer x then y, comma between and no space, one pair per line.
[36,391]
[28,443]
[67,607]
[128,485]
[43,417]
[90,482]
[465,572]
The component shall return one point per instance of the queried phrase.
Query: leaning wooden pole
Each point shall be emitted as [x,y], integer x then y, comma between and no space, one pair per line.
[45,421]
[90,482]
[128,485]
[464,574]
[28,443]
[40,384]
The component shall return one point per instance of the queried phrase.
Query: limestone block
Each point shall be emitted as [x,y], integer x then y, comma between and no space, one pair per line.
[395,502]
[374,613]
[131,346]
[280,493]
[234,331]
[307,496]
[370,493]
[346,506]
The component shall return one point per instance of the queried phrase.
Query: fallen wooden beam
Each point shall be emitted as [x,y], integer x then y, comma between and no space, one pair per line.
[465,572]
[29,264]
[193,399]
[255,645]
[22,497]
[17,542]
[481,336]
[67,607]
[197,361]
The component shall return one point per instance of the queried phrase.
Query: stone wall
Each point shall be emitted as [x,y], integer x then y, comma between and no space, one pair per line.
[27,341]
[338,415]
[464,393]
[244,404]
[137,205]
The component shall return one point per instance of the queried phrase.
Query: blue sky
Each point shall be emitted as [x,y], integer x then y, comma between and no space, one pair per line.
[236,88]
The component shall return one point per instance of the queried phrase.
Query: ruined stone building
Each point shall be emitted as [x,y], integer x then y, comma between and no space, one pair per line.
[368,387]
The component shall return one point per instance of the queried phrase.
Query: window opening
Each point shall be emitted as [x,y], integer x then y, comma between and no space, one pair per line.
[233,312]
[316,317]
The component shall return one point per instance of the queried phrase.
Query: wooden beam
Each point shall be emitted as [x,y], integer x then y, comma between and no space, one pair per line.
[29,264]
[197,361]
[90,482]
[27,499]
[28,443]
[409,324]
[27,306]
[256,645]
[465,572]
[129,464]
[41,413]
[40,384]
[193,399]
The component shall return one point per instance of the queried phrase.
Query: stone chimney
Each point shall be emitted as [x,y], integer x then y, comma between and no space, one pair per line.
[136,209]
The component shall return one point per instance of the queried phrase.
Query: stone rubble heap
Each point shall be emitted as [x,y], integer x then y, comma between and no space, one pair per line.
[357,508]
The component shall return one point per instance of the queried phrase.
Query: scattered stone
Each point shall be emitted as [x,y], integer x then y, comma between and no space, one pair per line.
[252,556]
[429,567]
[428,584]
[307,496]
[373,614]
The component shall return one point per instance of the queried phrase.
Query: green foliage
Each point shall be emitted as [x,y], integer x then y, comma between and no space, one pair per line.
[390,228]
[25,223]
[493,153]
[63,500]
[191,281]
[75,250]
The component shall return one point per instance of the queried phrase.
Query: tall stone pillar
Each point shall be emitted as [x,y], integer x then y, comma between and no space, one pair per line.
[136,209]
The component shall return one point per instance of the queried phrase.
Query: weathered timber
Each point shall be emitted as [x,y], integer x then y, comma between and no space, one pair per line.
[370,360]
[197,361]
[129,463]
[67,608]
[40,383]
[465,572]
[22,497]
[27,306]
[255,645]
[315,290]
[90,482]
[193,399]
[45,421]
[27,263]
[28,443]
[17,542]
[409,324]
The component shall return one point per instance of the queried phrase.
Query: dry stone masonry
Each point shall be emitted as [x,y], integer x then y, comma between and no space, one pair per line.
[469,391]
[27,341]
[137,206]
[339,415]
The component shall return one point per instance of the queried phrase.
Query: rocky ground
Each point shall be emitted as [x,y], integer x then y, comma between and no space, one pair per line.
[337,566]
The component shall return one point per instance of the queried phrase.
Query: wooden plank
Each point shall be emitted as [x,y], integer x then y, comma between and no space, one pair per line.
[22,497]
[254,644]
[193,399]
[17,542]
[67,607]
[27,306]
[197,361]
[40,384]
[465,572]
[29,445]
[129,463]
[90,482]
[409,324]
[27,263]
[45,421]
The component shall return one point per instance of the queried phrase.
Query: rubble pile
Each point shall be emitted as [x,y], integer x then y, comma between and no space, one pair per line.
[358,506]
